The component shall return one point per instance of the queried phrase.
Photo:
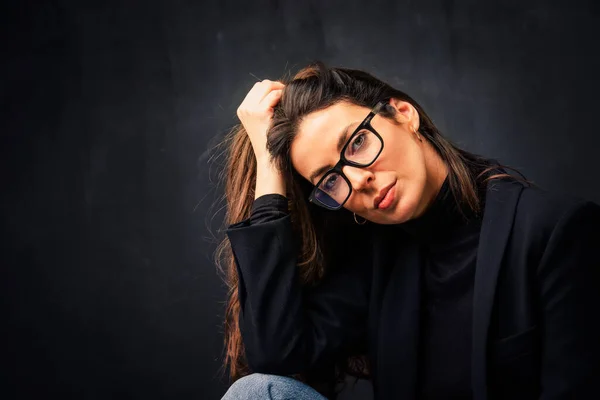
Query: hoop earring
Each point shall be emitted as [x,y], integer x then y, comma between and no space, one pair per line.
[359,223]
[416,132]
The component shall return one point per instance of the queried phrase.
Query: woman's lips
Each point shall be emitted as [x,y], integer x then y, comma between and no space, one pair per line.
[388,198]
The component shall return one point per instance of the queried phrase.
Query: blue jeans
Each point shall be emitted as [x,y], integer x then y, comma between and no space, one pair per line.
[270,387]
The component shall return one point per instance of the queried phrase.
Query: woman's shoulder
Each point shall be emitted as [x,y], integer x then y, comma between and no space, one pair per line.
[542,210]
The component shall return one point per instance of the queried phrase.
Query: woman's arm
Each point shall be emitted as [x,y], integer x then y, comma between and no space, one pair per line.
[287,329]
[569,278]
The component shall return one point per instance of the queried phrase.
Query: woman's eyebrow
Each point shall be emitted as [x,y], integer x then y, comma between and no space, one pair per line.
[340,143]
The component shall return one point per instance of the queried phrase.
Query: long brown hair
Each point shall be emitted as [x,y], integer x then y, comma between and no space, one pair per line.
[314,88]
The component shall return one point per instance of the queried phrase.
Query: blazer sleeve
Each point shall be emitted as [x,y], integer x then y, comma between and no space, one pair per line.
[288,328]
[569,276]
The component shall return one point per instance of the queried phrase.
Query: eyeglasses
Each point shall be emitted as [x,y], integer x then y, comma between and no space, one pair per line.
[361,150]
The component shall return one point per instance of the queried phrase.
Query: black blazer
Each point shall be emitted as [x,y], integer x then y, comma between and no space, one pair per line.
[537,286]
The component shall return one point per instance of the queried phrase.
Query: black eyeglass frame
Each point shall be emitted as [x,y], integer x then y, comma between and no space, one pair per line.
[365,124]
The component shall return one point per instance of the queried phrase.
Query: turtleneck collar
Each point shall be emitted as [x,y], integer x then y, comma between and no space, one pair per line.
[443,217]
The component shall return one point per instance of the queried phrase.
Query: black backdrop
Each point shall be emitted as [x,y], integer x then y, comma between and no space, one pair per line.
[110,110]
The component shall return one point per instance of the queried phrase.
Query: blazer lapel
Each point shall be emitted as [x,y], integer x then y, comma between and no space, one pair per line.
[501,201]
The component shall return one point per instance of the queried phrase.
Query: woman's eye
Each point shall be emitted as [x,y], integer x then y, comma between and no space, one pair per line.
[358,141]
[330,182]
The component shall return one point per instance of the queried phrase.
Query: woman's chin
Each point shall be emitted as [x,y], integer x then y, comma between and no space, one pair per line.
[404,211]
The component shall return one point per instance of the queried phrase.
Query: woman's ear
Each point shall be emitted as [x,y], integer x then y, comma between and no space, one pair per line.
[405,112]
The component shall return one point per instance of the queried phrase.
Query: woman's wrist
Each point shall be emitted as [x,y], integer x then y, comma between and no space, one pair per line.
[268,178]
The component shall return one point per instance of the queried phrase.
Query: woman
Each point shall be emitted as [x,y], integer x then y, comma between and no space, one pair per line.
[363,242]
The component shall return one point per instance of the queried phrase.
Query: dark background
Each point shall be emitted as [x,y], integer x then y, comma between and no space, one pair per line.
[111,109]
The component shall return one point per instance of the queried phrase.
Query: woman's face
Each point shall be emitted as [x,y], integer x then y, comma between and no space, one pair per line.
[412,168]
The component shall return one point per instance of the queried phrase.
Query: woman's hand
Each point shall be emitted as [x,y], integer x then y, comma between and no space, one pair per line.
[256,111]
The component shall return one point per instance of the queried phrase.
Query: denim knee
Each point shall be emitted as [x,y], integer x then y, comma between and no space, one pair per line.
[270,387]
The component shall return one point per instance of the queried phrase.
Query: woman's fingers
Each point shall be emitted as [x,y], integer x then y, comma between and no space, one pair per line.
[265,87]
[262,88]
[254,103]
[272,98]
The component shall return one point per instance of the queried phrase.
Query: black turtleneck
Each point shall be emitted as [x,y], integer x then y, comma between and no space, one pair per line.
[448,240]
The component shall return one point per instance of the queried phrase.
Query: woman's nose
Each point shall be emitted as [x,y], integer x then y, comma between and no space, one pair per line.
[359,177]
